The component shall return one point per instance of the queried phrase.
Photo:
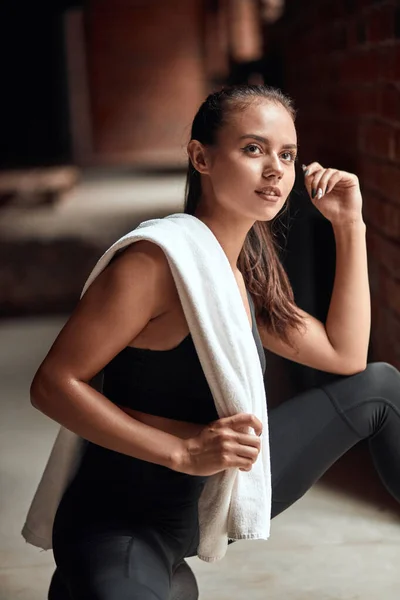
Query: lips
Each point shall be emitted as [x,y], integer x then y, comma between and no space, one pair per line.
[270,191]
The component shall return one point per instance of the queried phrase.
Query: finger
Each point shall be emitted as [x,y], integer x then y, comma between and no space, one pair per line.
[322,184]
[311,168]
[318,183]
[248,467]
[311,179]
[239,461]
[248,440]
[243,419]
[311,182]
[246,452]
[238,422]
[336,177]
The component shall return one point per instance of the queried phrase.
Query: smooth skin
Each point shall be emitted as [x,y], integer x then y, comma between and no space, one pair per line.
[135,302]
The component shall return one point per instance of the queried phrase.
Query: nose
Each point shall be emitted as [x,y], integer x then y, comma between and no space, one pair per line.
[273,168]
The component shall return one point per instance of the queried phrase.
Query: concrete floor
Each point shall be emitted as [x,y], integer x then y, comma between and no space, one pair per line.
[330,545]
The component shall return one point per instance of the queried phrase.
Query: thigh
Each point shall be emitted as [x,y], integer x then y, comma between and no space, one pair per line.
[58,590]
[116,566]
[307,435]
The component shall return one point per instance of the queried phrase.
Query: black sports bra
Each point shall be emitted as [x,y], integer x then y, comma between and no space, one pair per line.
[166,383]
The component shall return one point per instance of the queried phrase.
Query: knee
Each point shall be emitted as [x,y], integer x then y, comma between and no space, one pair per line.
[184,584]
[58,589]
[382,380]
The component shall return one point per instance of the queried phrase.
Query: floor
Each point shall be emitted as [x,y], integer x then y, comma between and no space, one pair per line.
[331,545]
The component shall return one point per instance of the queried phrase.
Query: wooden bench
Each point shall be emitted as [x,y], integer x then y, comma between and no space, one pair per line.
[33,187]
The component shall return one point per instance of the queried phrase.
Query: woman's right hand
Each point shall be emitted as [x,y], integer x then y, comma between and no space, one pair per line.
[221,445]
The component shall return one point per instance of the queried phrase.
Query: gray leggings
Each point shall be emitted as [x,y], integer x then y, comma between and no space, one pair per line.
[308,433]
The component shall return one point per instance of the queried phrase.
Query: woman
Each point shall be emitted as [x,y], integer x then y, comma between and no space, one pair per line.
[129,517]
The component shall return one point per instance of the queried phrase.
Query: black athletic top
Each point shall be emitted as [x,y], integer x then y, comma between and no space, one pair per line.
[166,383]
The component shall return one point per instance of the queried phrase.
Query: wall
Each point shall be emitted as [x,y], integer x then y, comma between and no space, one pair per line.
[342,66]
[146,78]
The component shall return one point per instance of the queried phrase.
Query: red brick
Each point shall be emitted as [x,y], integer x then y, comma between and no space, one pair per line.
[332,10]
[391,220]
[380,24]
[384,252]
[385,333]
[388,181]
[352,34]
[360,67]
[373,272]
[368,65]
[368,100]
[350,68]
[376,313]
[368,172]
[142,57]
[382,215]
[356,101]
[391,332]
[216,50]
[390,292]
[377,139]
[397,145]
[390,255]
[384,349]
[389,102]
[386,67]
[396,60]
[361,4]
[373,240]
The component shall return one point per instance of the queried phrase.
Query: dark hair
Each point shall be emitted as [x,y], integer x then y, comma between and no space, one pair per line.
[263,273]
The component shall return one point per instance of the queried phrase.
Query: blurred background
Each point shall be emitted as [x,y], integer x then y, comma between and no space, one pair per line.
[97,100]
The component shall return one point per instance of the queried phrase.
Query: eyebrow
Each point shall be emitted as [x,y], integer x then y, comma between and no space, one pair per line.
[266,140]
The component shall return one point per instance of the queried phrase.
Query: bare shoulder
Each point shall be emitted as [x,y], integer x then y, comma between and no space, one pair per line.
[136,287]
[145,264]
[147,249]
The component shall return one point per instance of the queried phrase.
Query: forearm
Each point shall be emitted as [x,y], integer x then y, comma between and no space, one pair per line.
[349,318]
[89,414]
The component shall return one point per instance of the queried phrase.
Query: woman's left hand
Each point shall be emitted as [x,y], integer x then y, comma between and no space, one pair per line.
[336,194]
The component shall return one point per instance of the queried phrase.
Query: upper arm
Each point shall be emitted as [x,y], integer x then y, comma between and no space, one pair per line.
[116,307]
[310,347]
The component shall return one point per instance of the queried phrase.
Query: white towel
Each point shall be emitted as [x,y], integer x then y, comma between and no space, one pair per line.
[234,504]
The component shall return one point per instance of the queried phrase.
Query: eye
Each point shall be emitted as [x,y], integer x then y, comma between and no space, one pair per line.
[252,149]
[291,156]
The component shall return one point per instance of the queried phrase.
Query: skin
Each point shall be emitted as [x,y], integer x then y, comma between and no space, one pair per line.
[135,302]
[237,166]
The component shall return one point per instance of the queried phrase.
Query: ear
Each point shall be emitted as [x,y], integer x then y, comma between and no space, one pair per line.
[198,156]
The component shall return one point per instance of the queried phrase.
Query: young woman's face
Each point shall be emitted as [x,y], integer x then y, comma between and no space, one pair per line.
[251,167]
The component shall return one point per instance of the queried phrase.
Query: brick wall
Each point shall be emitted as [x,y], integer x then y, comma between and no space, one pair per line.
[146,79]
[342,66]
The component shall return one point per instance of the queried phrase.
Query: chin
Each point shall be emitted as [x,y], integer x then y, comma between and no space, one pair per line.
[266,218]
[269,213]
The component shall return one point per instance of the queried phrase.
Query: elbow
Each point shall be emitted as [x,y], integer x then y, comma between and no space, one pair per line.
[42,389]
[353,367]
[50,388]
[357,370]
[36,390]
